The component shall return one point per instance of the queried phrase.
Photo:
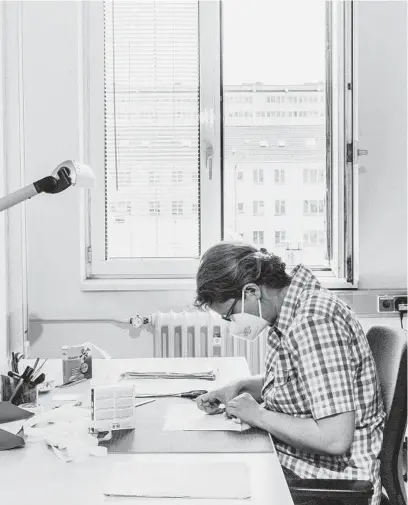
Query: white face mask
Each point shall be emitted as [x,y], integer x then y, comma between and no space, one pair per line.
[247,326]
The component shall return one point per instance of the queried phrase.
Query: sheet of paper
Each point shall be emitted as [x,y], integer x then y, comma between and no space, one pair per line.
[13,426]
[216,480]
[189,418]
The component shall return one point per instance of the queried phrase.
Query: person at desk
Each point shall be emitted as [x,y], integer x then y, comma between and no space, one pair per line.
[320,396]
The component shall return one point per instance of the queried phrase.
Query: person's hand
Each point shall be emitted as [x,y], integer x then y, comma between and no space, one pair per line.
[245,408]
[210,402]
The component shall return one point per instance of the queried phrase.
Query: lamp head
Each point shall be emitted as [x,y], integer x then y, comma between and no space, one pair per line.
[71,172]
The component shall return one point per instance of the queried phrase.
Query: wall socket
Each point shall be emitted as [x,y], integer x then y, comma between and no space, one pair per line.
[387,303]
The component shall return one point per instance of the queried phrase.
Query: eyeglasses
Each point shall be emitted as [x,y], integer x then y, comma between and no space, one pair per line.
[228,315]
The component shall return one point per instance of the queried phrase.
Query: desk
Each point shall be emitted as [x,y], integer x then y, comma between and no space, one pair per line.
[47,480]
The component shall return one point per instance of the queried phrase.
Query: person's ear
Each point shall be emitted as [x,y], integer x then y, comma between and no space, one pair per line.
[252,291]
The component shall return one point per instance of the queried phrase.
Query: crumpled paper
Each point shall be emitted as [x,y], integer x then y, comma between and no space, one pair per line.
[65,430]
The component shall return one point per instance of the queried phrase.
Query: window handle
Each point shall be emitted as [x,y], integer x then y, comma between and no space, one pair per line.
[209,157]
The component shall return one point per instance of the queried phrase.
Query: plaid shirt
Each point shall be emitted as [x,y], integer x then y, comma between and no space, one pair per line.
[319,363]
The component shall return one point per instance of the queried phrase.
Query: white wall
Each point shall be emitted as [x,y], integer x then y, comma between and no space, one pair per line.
[382,73]
[3,248]
[51,125]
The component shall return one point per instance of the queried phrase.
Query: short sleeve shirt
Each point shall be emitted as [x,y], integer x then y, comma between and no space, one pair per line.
[318,364]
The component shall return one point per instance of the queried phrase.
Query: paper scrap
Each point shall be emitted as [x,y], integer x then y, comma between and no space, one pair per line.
[13,426]
[189,418]
[176,479]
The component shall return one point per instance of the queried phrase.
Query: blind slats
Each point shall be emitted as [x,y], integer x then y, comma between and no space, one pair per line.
[152,128]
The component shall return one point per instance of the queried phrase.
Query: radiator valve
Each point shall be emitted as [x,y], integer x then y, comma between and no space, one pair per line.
[139,321]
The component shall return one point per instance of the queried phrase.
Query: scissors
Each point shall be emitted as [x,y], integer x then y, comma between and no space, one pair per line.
[192,395]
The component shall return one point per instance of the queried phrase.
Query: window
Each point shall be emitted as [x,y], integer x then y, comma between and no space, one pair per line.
[258,176]
[177,208]
[280,207]
[177,177]
[313,238]
[154,208]
[154,178]
[280,237]
[258,237]
[279,175]
[240,208]
[258,207]
[158,134]
[311,207]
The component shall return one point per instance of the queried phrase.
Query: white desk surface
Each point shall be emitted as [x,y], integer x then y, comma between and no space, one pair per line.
[34,475]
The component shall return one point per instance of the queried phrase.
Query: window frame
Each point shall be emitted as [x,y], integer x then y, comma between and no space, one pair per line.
[341,158]
[97,266]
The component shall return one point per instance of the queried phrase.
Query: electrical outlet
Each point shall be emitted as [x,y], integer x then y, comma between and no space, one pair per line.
[391,303]
[400,303]
[385,304]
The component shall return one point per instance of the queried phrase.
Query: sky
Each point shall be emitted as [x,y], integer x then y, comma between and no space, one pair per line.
[274,41]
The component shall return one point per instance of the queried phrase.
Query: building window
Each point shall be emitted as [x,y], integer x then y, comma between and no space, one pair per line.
[280,237]
[240,208]
[177,208]
[313,176]
[258,174]
[154,207]
[258,237]
[280,207]
[313,207]
[279,175]
[154,178]
[258,207]
[314,238]
[177,177]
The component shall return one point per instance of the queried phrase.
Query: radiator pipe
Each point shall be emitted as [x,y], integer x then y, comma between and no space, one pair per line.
[136,321]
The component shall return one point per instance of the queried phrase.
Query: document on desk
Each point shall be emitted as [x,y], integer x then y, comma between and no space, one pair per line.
[189,418]
[211,480]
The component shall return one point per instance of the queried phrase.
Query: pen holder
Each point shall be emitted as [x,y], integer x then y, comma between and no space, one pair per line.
[27,393]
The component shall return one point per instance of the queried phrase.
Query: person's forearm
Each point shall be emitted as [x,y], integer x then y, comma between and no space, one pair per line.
[301,433]
[252,385]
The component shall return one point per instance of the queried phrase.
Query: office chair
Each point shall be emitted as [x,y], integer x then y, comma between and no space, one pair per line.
[389,348]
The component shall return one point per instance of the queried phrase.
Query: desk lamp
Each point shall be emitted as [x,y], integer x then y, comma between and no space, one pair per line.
[69,173]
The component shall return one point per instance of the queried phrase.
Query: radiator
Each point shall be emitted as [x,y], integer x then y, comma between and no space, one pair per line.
[203,334]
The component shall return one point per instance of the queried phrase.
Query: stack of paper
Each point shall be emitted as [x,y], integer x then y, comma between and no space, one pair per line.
[210,480]
[189,418]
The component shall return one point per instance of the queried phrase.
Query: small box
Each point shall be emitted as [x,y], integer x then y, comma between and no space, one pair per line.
[76,362]
[113,408]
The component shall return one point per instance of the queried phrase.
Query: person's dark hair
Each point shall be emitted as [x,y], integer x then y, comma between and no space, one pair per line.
[227,267]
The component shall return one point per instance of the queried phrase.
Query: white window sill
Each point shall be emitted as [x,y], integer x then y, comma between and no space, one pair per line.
[181,284]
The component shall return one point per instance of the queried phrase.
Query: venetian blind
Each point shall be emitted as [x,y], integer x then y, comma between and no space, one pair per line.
[151,53]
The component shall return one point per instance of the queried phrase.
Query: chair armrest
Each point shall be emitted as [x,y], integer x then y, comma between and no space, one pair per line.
[337,489]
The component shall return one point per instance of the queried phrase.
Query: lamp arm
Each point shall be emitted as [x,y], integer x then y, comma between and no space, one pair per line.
[17,197]
[48,184]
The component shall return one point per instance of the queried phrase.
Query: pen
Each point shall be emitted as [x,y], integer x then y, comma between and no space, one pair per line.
[25,377]
[39,369]
[192,395]
[72,383]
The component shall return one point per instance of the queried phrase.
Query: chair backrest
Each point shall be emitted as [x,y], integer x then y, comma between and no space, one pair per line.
[389,348]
